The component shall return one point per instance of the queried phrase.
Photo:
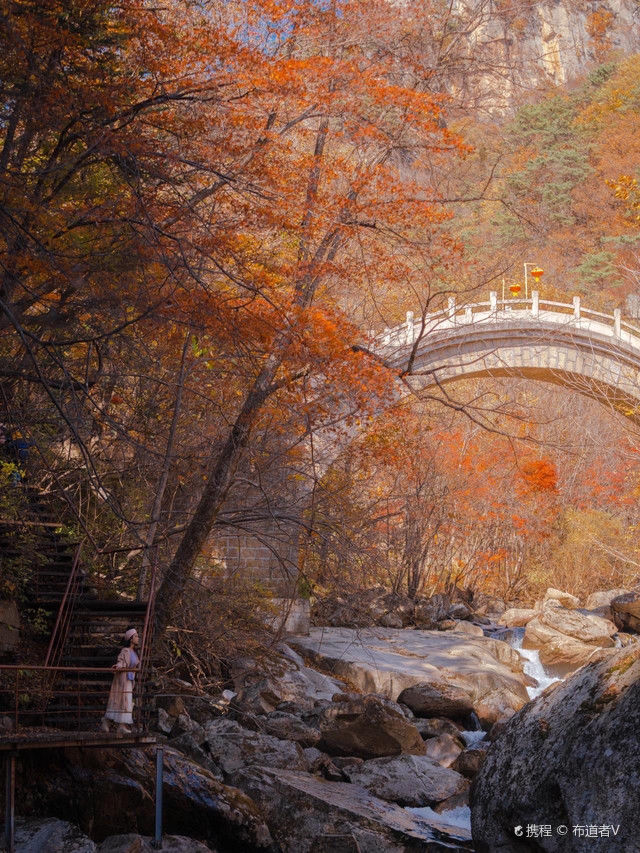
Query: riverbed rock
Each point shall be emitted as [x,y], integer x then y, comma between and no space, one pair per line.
[387,661]
[564,599]
[626,610]
[188,745]
[568,639]
[106,792]
[517,617]
[585,627]
[285,726]
[232,747]
[603,598]
[570,758]
[185,725]
[369,728]
[288,679]
[434,726]
[437,700]
[469,761]
[465,627]
[444,749]
[310,815]
[409,780]
[51,835]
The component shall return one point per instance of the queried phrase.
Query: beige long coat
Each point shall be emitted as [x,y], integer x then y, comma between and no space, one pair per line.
[120,704]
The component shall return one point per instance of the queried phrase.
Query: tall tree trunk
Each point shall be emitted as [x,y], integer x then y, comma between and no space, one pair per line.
[222,467]
[219,478]
[164,477]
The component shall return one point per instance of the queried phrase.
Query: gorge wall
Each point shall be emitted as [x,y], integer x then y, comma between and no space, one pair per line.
[498,53]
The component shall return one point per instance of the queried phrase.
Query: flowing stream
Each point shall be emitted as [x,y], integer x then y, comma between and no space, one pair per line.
[460,817]
[532,665]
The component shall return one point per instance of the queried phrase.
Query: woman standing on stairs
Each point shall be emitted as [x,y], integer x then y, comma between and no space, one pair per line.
[120,704]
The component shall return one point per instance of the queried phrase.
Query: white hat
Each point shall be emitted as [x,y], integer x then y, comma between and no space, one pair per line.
[129,634]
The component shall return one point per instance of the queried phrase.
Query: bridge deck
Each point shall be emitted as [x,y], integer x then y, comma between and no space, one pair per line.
[48,739]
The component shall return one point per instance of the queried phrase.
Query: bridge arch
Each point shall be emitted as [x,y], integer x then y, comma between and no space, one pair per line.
[590,352]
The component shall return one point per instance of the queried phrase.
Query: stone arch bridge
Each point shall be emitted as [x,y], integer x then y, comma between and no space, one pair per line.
[590,352]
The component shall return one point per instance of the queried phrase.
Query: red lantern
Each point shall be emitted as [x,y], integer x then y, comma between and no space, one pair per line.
[515,289]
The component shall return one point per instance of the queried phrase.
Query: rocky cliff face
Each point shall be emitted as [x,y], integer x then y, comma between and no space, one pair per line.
[507,50]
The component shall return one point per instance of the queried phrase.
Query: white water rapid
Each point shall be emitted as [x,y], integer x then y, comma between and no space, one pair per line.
[532,665]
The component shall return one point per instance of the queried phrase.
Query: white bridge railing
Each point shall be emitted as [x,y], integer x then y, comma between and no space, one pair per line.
[501,310]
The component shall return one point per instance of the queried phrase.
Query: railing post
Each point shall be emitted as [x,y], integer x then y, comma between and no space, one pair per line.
[451,308]
[576,307]
[493,300]
[535,303]
[157,840]
[410,328]
[468,314]
[386,338]
[10,802]
[617,322]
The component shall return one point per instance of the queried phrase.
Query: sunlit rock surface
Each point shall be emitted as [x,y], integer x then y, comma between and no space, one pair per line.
[387,660]
[571,758]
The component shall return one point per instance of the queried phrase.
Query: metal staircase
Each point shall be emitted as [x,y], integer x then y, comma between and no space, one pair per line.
[70,691]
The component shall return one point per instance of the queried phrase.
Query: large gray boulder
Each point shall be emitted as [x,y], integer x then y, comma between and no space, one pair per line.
[51,835]
[590,629]
[387,661]
[310,815]
[369,728]
[285,726]
[409,780]
[287,679]
[517,617]
[603,598]
[571,758]
[444,749]
[568,639]
[437,700]
[233,747]
[564,599]
[626,610]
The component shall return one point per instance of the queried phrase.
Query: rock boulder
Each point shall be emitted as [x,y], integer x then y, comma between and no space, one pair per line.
[409,780]
[564,599]
[626,610]
[437,700]
[387,661]
[603,598]
[233,747]
[369,728]
[517,617]
[570,758]
[309,815]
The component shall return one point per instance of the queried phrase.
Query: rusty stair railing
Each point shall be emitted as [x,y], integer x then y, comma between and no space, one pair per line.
[142,711]
[60,631]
